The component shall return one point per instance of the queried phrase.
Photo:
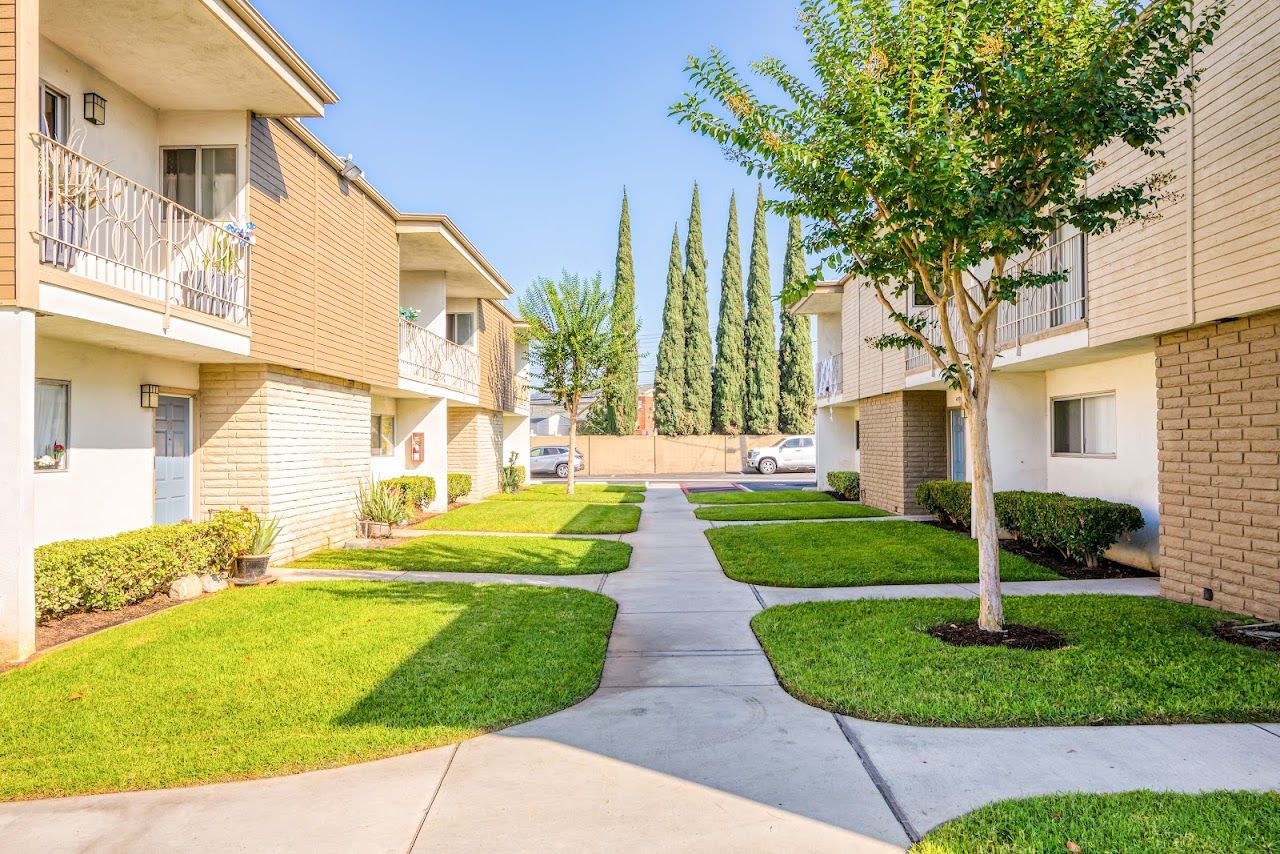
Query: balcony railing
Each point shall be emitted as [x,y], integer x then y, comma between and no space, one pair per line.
[828,376]
[434,359]
[102,226]
[1037,311]
[522,392]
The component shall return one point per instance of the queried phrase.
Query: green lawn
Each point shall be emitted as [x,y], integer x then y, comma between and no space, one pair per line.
[580,496]
[275,680]
[538,517]
[773,496]
[561,489]
[1128,660]
[1125,823]
[772,512]
[461,553]
[857,553]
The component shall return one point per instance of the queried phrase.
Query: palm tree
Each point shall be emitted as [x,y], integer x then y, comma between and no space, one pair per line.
[570,339]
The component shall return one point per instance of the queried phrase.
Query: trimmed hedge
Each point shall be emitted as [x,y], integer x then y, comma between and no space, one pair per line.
[846,484]
[418,491]
[1080,529]
[948,500]
[459,485]
[108,573]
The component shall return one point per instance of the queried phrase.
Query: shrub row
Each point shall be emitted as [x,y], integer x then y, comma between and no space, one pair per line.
[1080,529]
[846,484]
[111,572]
[459,485]
[417,491]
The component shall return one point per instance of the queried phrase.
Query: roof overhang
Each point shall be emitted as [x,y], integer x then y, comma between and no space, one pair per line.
[189,54]
[432,242]
[825,298]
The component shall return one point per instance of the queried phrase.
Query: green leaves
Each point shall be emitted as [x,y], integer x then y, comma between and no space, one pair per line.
[668,378]
[569,337]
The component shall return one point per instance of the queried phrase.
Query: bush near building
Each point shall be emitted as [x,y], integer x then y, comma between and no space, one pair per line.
[418,491]
[846,484]
[459,485]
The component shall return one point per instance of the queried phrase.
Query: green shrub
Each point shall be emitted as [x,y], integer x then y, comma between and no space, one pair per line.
[459,485]
[417,491]
[948,500]
[846,484]
[512,478]
[1080,529]
[108,573]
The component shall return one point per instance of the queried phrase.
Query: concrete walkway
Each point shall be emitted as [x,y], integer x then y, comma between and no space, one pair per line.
[689,744]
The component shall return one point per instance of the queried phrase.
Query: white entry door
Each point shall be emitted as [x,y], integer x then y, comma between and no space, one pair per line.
[173,460]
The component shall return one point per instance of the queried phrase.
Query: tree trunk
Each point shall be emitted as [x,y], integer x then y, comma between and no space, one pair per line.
[985,528]
[573,447]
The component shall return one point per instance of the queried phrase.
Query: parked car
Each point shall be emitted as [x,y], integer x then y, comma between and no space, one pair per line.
[554,460]
[790,453]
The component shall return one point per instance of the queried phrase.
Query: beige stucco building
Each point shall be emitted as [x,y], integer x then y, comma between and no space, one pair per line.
[157,365]
[1150,376]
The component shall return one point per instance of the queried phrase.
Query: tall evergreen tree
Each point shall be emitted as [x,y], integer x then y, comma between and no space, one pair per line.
[728,379]
[795,351]
[668,379]
[761,410]
[620,393]
[697,330]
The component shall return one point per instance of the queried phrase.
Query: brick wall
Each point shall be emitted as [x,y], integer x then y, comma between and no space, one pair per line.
[903,444]
[232,424]
[475,447]
[1218,391]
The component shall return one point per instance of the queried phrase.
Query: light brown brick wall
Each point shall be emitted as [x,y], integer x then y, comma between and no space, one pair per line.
[232,424]
[1218,390]
[904,443]
[475,448]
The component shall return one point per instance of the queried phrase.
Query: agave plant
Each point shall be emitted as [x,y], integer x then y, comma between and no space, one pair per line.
[264,535]
[382,502]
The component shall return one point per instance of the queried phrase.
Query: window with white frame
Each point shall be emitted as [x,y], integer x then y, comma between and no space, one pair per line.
[382,435]
[53,399]
[460,327]
[1085,425]
[55,113]
[201,180]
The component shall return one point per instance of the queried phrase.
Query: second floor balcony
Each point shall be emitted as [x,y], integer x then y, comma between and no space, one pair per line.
[1038,311]
[435,360]
[828,377]
[101,226]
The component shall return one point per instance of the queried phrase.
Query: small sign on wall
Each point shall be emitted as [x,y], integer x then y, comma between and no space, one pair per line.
[417,447]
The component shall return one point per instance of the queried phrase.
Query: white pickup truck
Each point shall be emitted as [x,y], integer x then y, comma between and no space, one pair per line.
[791,453]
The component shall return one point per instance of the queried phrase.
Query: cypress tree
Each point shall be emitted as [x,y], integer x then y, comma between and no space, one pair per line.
[668,379]
[697,331]
[761,410]
[620,394]
[795,352]
[728,380]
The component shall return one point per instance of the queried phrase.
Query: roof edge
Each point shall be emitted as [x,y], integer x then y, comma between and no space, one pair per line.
[254,20]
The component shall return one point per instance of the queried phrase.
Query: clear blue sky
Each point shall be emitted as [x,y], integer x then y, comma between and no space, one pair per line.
[523,121]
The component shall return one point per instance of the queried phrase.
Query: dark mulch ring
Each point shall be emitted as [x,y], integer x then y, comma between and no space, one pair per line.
[1106,568]
[1014,636]
[1264,636]
[73,626]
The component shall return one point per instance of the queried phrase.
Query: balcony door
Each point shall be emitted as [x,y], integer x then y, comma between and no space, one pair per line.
[173,460]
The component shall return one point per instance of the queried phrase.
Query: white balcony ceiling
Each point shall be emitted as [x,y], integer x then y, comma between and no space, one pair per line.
[437,246]
[186,54]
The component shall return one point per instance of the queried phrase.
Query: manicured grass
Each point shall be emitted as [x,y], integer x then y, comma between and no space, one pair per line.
[458,553]
[580,496]
[538,517]
[771,496]
[1128,660]
[1124,823]
[275,680]
[856,554]
[770,512]
[561,489]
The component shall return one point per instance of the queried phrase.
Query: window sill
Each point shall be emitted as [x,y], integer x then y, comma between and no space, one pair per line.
[1083,456]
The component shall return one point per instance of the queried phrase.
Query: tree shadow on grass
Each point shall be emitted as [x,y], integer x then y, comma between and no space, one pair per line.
[517,555]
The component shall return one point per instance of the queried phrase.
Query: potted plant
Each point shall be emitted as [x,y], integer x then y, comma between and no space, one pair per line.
[380,506]
[72,186]
[251,567]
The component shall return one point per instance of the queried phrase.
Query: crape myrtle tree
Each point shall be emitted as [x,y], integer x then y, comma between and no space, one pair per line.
[933,143]
[620,392]
[795,349]
[728,378]
[570,341]
[697,330]
[668,378]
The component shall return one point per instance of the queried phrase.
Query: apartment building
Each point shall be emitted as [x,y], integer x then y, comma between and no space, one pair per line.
[203,307]
[1149,376]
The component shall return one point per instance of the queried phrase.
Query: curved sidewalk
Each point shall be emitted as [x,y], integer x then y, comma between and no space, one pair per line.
[688,744]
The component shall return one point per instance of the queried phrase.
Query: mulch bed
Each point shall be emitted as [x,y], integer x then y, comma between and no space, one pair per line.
[74,626]
[1264,636]
[1106,568]
[1014,636]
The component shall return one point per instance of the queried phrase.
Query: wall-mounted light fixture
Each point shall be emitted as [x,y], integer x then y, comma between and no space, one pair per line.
[350,171]
[95,108]
[150,396]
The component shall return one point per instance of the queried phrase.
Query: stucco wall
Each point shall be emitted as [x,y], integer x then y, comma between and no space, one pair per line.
[834,428]
[428,416]
[1019,419]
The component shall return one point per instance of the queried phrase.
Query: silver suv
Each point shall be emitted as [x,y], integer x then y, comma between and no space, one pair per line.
[553,460]
[790,453]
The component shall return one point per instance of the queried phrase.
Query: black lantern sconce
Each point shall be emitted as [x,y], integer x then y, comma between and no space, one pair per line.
[150,396]
[95,108]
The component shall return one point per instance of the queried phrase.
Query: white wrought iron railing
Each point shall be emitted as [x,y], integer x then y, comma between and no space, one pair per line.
[522,392]
[1037,310]
[828,376]
[102,226]
[434,359]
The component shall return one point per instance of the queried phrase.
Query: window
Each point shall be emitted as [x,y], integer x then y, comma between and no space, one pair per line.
[459,328]
[382,435]
[54,113]
[52,398]
[1085,426]
[201,179]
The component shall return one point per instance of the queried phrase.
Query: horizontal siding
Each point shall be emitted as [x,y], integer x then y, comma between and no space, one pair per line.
[8,142]
[496,351]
